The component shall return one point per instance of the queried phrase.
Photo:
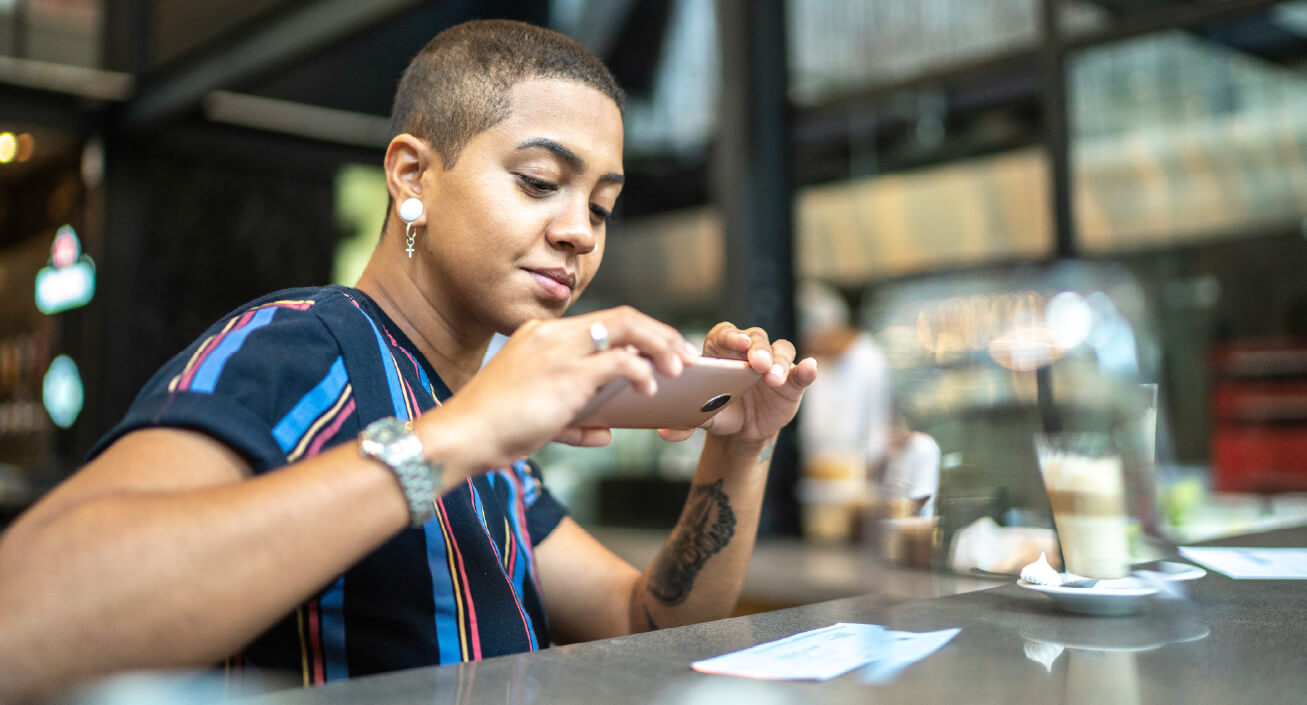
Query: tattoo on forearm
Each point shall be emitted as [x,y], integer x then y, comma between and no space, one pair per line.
[766,453]
[649,618]
[707,527]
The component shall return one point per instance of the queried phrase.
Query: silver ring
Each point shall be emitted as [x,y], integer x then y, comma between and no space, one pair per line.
[599,334]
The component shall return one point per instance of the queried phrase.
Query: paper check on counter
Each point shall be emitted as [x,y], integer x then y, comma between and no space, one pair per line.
[1251,563]
[822,654]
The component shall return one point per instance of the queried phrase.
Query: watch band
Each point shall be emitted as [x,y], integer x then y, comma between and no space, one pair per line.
[394,443]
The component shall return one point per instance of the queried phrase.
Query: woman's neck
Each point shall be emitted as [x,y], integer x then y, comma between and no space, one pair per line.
[452,350]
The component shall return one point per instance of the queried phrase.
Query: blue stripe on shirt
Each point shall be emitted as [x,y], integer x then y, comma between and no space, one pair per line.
[392,372]
[206,378]
[297,421]
[335,656]
[442,594]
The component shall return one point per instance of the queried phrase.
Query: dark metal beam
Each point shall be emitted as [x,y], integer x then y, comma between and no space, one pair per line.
[258,150]
[125,219]
[1056,131]
[278,41]
[597,24]
[52,110]
[1120,8]
[753,170]
[633,57]
[1185,17]
[1015,62]
[753,177]
[127,44]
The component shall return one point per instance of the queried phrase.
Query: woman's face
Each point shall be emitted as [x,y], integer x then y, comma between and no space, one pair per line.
[515,229]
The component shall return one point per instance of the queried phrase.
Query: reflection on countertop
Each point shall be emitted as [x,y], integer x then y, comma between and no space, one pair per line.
[1100,665]
[791,572]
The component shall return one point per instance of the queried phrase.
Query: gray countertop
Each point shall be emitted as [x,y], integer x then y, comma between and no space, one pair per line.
[791,572]
[1232,641]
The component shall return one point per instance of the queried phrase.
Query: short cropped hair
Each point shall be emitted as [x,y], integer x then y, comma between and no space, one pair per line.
[458,85]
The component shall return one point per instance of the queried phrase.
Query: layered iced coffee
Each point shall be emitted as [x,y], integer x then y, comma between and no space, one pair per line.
[1086,489]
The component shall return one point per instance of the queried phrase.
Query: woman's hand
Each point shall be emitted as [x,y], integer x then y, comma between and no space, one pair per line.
[759,413]
[547,372]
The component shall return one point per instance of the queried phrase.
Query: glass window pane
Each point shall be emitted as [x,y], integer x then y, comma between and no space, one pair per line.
[58,31]
[1183,136]
[837,46]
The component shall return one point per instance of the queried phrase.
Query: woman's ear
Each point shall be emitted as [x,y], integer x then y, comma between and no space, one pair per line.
[407,158]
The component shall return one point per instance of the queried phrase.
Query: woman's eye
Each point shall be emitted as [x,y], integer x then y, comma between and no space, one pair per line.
[536,187]
[601,214]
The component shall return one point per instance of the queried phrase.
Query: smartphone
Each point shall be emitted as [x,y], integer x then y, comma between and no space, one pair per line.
[705,387]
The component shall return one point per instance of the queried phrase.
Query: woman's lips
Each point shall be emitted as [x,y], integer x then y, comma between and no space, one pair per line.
[556,283]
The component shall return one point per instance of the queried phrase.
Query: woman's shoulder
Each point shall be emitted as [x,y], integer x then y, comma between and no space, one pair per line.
[317,298]
[332,306]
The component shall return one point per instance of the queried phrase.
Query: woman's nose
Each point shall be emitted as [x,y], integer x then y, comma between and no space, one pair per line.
[573,228]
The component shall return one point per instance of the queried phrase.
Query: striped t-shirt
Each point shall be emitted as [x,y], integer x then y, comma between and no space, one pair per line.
[297,372]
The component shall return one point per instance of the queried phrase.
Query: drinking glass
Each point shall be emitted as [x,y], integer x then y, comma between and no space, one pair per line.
[1085,480]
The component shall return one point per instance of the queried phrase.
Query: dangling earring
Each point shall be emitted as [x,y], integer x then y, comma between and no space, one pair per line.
[409,211]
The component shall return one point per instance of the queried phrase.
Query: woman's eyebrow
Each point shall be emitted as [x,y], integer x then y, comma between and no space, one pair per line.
[572,159]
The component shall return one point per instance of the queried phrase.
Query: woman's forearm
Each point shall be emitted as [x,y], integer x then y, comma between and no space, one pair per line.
[700,570]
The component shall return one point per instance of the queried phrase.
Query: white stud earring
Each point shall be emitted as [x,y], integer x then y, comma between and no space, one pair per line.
[409,211]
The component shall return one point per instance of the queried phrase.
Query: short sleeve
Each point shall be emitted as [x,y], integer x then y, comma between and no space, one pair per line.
[257,381]
[543,510]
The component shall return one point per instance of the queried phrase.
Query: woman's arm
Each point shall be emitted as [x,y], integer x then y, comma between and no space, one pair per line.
[697,576]
[591,593]
[164,552]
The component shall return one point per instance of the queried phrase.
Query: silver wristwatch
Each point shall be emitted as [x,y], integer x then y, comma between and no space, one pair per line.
[394,443]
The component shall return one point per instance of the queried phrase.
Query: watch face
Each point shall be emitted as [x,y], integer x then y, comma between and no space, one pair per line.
[387,434]
[387,430]
[392,441]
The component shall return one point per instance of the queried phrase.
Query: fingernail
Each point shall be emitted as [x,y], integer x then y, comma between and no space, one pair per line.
[691,350]
[777,371]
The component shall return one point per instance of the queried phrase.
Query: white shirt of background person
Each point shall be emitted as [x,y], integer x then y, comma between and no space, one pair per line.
[845,414]
[847,409]
[913,473]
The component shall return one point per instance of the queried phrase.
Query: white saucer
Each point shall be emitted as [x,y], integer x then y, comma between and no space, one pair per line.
[1116,597]
[1171,570]
[1107,598]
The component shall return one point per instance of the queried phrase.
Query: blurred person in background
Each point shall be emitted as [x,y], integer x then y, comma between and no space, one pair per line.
[328,483]
[861,458]
[845,421]
[907,478]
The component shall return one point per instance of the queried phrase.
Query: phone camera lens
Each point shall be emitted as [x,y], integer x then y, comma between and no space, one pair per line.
[715,403]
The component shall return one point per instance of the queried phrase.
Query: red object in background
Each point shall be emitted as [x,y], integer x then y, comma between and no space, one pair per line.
[1259,417]
[66,249]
